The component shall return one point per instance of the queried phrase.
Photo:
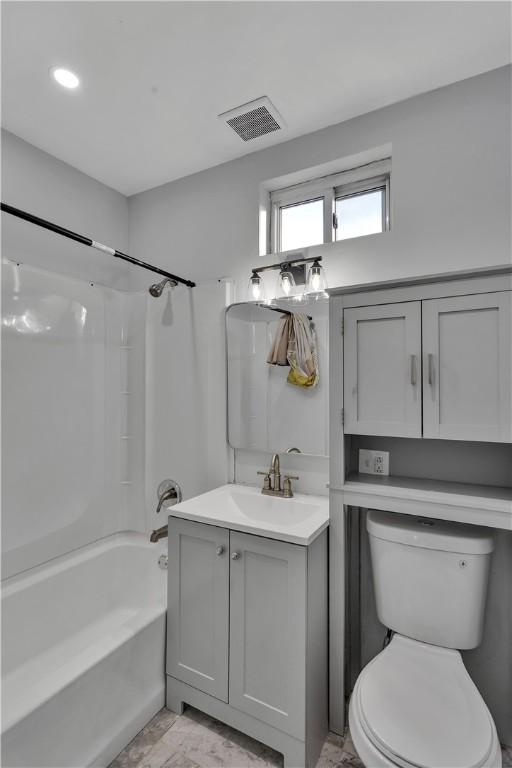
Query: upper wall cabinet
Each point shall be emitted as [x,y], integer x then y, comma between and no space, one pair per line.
[467,367]
[383,370]
[462,390]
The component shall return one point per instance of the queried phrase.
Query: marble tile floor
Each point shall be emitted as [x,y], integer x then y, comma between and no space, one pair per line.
[195,740]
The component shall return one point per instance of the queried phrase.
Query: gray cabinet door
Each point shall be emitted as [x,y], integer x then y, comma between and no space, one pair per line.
[198,606]
[268,631]
[467,343]
[382,360]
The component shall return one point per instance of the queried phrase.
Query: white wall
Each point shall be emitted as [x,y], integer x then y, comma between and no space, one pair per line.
[185,392]
[450,193]
[40,184]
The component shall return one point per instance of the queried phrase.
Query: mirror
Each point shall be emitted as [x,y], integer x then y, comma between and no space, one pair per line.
[265,411]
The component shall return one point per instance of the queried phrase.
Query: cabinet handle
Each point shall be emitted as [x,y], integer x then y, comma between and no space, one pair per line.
[220,550]
[235,556]
[413,371]
[431,369]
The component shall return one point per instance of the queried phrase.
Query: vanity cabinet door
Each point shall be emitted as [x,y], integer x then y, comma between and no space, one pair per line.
[268,631]
[198,606]
[382,370]
[467,390]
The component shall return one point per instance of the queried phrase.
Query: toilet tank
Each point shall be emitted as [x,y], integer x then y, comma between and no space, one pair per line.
[430,577]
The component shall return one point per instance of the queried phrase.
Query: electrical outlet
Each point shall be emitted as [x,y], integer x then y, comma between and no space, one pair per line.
[373,462]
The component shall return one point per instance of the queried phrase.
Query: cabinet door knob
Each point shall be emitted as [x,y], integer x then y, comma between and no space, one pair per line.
[220,550]
[235,556]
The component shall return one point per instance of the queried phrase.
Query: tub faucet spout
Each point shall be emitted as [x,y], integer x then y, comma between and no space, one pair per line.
[158,533]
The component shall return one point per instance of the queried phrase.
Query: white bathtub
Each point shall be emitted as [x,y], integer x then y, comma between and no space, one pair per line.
[82,653]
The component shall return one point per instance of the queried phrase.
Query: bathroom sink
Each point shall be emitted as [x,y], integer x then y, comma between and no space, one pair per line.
[298,520]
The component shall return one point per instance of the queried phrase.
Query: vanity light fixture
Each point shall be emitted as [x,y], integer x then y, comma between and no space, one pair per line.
[65,77]
[292,273]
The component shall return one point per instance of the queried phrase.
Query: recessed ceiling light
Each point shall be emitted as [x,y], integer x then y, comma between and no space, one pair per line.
[65,77]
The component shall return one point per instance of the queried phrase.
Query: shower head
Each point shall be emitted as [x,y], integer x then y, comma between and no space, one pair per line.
[157,288]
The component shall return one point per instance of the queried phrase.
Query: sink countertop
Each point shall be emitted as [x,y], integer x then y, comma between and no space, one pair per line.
[298,520]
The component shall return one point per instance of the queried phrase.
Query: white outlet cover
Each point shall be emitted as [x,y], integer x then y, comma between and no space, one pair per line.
[373,462]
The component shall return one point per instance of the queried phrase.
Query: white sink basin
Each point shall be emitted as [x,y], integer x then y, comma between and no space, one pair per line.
[298,520]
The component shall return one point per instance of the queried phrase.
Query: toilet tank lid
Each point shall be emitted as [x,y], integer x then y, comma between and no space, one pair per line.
[429,533]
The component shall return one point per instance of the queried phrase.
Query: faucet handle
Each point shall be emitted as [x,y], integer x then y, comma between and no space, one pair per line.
[168,490]
[266,481]
[287,486]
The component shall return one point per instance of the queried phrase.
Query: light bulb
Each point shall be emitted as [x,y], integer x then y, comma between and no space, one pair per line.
[316,282]
[287,286]
[256,290]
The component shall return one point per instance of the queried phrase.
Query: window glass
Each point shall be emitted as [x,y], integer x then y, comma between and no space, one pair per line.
[302,224]
[360,214]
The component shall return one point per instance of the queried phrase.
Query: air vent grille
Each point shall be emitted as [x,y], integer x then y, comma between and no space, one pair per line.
[257,118]
[255,123]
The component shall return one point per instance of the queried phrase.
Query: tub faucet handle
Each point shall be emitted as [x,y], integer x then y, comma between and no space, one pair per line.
[168,490]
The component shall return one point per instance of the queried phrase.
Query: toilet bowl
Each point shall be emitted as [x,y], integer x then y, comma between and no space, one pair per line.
[415,705]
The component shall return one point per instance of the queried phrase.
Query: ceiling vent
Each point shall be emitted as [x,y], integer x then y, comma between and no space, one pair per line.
[254,119]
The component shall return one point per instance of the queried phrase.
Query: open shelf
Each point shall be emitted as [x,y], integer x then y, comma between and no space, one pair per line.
[463,502]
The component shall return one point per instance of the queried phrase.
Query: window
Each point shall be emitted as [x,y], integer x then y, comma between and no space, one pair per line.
[348,204]
[301,224]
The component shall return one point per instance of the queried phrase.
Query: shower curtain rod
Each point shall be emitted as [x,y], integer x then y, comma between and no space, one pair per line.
[92,243]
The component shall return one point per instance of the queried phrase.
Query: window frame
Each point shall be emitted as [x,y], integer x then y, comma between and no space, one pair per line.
[347,183]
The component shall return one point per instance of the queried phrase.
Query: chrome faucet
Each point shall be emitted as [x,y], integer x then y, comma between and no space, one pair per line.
[167,490]
[272,480]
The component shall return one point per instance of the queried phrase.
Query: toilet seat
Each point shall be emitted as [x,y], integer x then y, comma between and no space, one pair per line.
[420,709]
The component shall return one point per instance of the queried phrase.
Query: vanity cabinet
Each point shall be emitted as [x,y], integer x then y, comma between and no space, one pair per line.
[247,634]
[437,368]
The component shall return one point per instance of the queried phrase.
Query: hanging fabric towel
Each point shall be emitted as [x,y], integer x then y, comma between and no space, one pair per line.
[278,354]
[302,353]
[295,345]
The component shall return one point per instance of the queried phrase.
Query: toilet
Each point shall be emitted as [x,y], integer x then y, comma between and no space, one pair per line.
[414,704]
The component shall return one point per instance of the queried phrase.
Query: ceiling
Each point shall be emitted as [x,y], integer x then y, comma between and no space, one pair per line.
[155,75]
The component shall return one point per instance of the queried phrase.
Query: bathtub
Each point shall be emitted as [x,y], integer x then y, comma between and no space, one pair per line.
[82,653]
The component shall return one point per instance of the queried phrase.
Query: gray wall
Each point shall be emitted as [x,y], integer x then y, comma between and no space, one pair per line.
[40,184]
[450,203]
[450,193]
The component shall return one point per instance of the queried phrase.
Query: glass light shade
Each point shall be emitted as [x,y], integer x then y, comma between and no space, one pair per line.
[256,288]
[287,282]
[316,283]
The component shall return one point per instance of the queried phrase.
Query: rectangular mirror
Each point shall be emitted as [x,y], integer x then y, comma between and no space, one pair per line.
[265,411]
